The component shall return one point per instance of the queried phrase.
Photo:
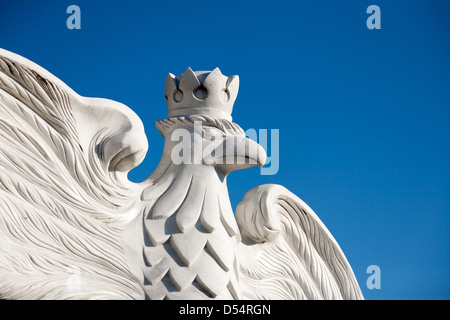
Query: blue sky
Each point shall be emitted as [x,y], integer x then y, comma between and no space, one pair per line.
[363,115]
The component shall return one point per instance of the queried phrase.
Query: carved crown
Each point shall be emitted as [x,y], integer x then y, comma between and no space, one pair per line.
[202,92]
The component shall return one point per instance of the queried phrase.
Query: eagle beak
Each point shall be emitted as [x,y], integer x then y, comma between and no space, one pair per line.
[259,156]
[241,153]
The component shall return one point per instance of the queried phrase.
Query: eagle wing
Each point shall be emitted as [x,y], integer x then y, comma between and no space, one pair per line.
[287,252]
[64,195]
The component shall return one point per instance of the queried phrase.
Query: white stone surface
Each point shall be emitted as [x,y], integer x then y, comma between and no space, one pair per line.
[73,227]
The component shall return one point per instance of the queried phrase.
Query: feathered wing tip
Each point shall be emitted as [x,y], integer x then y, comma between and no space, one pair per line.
[106,134]
[287,252]
[64,196]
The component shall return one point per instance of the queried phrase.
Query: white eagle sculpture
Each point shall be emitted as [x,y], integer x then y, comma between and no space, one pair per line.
[72,226]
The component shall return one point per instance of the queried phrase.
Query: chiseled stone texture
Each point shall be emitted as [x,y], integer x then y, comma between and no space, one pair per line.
[72,226]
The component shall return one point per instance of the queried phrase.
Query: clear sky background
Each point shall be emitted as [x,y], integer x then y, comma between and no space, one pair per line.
[363,115]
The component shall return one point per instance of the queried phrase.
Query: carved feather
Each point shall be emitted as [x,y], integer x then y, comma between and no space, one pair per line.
[63,207]
[293,255]
[190,254]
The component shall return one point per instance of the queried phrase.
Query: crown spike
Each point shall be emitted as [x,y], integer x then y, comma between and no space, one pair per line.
[233,85]
[170,86]
[189,80]
[217,70]
[212,78]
